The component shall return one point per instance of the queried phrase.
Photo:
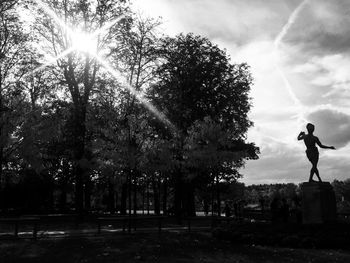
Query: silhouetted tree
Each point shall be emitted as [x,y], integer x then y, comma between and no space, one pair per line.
[14,53]
[197,81]
[342,193]
[78,71]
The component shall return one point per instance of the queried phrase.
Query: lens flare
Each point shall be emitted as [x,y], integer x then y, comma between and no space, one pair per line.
[51,61]
[107,26]
[54,16]
[88,43]
[117,75]
[84,42]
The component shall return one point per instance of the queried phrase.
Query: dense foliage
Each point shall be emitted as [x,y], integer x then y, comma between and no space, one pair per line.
[147,119]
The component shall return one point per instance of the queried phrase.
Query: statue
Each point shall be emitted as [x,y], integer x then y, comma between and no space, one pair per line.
[312,154]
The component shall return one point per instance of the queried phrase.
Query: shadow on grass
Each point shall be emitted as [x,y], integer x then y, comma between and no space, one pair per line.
[151,247]
[331,236]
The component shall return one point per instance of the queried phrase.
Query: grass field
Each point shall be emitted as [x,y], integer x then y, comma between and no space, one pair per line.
[152,247]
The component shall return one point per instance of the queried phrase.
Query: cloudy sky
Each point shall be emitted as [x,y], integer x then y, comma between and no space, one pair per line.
[299,53]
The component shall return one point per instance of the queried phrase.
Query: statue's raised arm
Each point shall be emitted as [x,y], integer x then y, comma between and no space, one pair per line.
[301,135]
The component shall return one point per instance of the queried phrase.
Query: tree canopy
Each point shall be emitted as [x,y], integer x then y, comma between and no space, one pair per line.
[133,114]
[206,98]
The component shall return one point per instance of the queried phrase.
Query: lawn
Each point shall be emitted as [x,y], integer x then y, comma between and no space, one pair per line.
[152,247]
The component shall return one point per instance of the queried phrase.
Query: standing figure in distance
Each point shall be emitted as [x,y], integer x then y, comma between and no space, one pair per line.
[311,150]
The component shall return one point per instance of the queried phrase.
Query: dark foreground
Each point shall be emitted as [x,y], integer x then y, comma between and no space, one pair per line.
[152,247]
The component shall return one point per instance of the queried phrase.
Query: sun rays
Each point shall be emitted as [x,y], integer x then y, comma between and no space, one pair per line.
[84,42]
[87,43]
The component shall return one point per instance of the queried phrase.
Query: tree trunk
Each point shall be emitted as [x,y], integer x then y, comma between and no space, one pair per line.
[64,185]
[135,191]
[111,196]
[148,197]
[218,196]
[116,208]
[123,199]
[2,186]
[79,190]
[1,158]
[212,197]
[178,197]
[129,192]
[2,203]
[165,193]
[143,201]
[87,193]
[51,195]
[188,208]
[156,197]
[191,207]
[79,131]
[160,194]
[63,198]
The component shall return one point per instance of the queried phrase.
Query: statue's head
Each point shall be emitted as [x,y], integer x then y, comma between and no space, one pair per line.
[310,127]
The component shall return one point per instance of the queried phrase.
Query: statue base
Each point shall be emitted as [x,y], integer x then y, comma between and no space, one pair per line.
[318,203]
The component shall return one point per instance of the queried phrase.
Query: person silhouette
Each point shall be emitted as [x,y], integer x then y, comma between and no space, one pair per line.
[312,154]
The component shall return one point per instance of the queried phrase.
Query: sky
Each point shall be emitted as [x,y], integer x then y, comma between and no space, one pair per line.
[299,54]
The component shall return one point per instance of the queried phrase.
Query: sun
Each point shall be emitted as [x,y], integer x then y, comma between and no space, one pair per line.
[84,42]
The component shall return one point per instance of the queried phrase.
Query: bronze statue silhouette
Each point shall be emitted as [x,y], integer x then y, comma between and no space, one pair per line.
[312,154]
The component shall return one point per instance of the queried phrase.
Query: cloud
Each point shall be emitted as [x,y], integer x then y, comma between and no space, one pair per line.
[334,69]
[324,80]
[233,21]
[318,54]
[332,126]
[279,162]
[283,163]
[323,28]
[334,73]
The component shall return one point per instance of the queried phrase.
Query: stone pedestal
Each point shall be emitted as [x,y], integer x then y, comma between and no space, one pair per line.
[318,203]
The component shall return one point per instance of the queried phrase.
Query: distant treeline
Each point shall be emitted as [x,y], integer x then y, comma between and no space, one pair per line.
[254,194]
